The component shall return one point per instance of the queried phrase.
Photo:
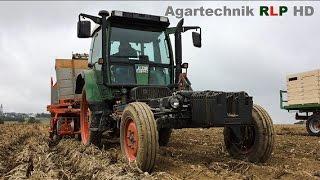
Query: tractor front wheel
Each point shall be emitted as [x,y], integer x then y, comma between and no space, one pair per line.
[139,136]
[87,136]
[251,142]
[313,125]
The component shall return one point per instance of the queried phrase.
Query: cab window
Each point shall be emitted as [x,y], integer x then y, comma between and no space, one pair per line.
[96,52]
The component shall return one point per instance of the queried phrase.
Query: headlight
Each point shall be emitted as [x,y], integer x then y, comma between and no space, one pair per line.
[164,19]
[117,13]
[174,102]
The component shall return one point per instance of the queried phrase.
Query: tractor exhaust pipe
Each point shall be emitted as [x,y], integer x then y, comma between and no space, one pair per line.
[178,49]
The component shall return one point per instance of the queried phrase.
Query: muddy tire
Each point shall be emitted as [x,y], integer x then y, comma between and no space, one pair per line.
[164,136]
[139,136]
[87,136]
[313,125]
[258,143]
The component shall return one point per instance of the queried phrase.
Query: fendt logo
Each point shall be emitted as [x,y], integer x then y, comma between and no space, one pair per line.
[281,10]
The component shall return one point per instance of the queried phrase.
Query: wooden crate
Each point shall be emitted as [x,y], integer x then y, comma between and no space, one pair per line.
[71,63]
[67,71]
[304,88]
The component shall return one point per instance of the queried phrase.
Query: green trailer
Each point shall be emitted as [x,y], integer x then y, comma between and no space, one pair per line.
[309,112]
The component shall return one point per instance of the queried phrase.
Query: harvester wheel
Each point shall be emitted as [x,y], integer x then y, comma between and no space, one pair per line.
[164,136]
[87,136]
[253,143]
[139,136]
[313,125]
[55,137]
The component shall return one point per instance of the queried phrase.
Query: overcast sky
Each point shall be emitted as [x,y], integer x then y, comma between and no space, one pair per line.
[253,54]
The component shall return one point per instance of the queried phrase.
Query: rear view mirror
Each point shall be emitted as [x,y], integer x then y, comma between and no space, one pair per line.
[196,38]
[84,29]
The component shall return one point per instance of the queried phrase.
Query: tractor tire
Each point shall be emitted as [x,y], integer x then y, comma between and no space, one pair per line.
[139,136]
[257,145]
[313,125]
[164,136]
[87,136]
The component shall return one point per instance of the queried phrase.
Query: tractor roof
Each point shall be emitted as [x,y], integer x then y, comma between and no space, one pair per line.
[130,18]
[135,19]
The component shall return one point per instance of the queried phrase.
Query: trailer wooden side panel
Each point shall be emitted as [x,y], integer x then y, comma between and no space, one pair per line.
[304,88]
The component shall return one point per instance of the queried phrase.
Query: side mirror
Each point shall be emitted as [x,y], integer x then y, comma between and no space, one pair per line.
[184,65]
[84,29]
[196,38]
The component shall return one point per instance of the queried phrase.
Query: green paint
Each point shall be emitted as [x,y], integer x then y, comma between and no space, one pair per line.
[171,30]
[309,106]
[93,92]
[142,74]
[281,99]
[107,93]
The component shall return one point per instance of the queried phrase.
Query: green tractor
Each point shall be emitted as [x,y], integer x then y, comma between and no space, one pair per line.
[137,87]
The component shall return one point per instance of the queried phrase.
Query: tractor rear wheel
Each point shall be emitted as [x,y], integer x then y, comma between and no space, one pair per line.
[87,136]
[164,136]
[251,142]
[139,136]
[313,125]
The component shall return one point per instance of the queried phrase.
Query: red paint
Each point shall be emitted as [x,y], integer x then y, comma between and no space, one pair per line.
[131,140]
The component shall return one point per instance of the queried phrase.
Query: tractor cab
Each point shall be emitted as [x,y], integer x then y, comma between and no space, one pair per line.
[139,57]
[132,49]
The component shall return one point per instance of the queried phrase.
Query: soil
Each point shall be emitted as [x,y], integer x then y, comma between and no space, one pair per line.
[190,154]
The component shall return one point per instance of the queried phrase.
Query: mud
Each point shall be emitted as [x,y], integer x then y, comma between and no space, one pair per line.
[190,154]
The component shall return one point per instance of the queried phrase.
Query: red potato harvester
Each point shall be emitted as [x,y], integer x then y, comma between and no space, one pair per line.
[65,104]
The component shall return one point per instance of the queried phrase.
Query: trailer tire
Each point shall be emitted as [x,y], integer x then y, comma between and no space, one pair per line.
[139,136]
[259,146]
[313,125]
[87,135]
[164,136]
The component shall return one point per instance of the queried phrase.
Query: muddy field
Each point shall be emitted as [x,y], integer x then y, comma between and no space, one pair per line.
[191,154]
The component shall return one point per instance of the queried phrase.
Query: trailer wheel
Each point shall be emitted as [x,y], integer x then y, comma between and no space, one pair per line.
[313,125]
[164,136]
[139,136]
[253,143]
[87,136]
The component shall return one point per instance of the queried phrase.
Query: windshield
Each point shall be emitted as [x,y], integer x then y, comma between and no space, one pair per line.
[139,57]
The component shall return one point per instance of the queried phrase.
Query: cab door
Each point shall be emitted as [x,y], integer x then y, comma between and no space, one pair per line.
[95,55]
